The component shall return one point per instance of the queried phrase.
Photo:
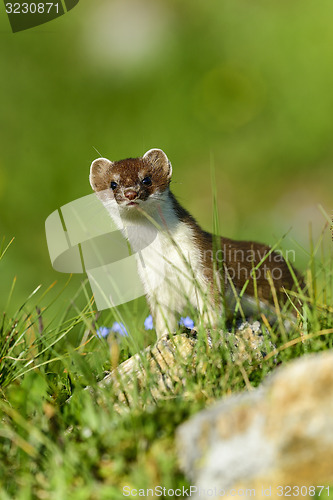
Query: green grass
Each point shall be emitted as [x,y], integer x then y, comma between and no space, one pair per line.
[53,447]
[260,104]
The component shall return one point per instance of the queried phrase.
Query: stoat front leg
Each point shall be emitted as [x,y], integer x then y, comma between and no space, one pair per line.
[165,321]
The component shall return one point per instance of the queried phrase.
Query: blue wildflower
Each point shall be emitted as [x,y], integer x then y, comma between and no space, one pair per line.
[188,322]
[103,332]
[149,323]
[119,328]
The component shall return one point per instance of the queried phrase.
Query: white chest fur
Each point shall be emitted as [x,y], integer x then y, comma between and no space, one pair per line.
[171,271]
[168,261]
[169,267]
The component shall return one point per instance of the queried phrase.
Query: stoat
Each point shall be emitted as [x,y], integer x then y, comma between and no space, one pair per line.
[179,263]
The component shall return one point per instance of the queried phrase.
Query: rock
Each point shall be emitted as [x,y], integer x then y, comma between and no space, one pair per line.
[249,343]
[165,366]
[159,365]
[279,435]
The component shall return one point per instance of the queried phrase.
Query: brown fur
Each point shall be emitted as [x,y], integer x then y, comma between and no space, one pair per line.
[236,258]
[128,173]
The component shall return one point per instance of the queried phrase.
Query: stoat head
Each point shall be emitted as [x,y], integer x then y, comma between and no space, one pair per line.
[133,182]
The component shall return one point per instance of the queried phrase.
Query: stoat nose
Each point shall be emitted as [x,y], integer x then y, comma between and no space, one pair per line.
[130,194]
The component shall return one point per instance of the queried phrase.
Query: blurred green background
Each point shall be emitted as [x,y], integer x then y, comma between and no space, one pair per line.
[244,86]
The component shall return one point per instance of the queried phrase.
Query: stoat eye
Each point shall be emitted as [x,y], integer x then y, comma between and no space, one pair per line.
[113,185]
[146,181]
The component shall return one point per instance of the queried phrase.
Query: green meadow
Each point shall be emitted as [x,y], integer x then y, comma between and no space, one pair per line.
[239,96]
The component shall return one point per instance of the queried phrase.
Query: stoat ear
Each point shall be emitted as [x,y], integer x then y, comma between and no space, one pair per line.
[158,159]
[98,172]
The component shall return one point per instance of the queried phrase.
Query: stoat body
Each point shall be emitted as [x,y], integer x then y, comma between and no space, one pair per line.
[180,264]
